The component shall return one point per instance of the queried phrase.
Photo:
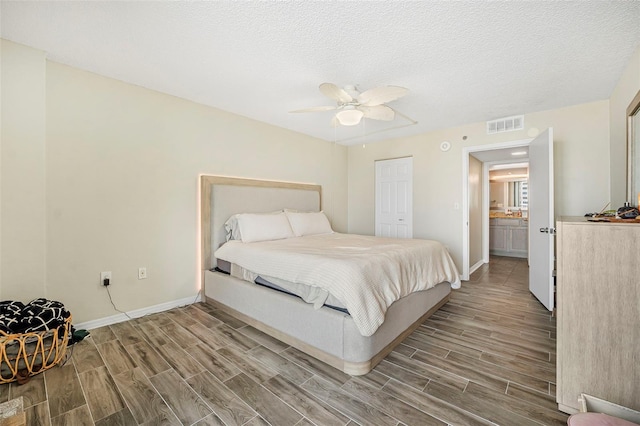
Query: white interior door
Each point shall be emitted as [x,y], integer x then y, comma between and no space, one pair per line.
[541,218]
[394,198]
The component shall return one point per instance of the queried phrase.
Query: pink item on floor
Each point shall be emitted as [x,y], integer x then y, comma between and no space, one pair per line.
[597,419]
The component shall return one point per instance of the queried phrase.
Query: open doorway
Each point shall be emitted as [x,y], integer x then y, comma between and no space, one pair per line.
[508,204]
[476,201]
[541,216]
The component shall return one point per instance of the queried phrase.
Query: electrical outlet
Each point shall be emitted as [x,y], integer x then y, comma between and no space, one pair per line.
[142,273]
[104,276]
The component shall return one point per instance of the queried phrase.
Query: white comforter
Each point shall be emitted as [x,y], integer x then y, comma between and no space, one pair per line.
[367,274]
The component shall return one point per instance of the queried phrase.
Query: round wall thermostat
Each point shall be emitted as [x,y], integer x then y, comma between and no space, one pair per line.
[445,146]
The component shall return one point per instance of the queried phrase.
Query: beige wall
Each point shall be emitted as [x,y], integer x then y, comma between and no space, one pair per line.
[121,165]
[622,95]
[581,170]
[22,168]
[475,210]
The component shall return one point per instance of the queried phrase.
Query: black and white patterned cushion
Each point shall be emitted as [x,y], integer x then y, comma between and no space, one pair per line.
[37,315]
[10,313]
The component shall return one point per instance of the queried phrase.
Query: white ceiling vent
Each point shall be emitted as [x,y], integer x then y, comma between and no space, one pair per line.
[507,124]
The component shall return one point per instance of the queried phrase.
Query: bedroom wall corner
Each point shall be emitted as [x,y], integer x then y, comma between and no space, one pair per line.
[22,172]
[625,90]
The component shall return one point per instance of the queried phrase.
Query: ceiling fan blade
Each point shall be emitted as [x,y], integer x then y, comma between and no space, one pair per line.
[315,109]
[378,112]
[332,91]
[381,95]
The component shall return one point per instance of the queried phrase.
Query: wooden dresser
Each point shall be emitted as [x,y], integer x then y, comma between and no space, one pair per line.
[598,306]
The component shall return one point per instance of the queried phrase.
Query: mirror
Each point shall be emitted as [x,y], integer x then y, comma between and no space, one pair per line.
[510,195]
[518,192]
[633,151]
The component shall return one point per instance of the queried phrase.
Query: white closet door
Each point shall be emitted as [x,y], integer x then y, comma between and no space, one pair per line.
[394,198]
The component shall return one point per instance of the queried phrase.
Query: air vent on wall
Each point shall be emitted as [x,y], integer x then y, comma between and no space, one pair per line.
[507,124]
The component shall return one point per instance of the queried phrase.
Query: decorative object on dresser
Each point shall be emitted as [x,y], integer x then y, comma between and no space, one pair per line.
[598,341]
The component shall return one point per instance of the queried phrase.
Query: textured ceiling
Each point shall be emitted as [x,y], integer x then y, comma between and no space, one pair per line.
[463,62]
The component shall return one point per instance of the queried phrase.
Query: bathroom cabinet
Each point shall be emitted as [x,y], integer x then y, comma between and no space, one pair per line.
[509,237]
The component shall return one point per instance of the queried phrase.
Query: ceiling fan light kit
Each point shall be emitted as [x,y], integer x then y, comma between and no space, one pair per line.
[349,116]
[352,105]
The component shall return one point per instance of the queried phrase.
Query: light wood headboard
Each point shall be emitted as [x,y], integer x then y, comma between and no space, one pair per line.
[221,197]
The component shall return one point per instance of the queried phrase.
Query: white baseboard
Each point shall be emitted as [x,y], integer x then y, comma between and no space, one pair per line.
[137,313]
[476,266]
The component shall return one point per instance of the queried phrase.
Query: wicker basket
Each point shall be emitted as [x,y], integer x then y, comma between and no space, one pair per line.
[25,354]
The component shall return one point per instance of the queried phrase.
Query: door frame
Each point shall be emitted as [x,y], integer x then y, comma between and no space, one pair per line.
[486,203]
[466,151]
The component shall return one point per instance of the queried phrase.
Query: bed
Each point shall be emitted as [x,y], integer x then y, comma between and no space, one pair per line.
[328,334]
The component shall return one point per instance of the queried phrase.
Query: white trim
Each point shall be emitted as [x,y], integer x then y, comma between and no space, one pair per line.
[466,151]
[500,145]
[465,214]
[114,319]
[476,266]
[486,207]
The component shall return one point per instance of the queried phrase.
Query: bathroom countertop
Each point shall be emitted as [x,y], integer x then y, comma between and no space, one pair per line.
[502,215]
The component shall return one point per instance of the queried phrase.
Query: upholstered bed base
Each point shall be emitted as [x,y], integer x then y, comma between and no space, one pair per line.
[326,334]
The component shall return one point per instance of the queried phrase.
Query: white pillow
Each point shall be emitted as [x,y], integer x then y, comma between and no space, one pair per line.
[231,226]
[309,223]
[233,229]
[263,227]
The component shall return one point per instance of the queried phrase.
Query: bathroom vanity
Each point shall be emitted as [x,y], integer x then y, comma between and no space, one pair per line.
[509,236]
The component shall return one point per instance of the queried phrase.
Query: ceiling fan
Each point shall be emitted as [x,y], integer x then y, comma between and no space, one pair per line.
[353,105]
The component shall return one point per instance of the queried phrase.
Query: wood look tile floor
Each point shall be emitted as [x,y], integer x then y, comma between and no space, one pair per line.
[487,357]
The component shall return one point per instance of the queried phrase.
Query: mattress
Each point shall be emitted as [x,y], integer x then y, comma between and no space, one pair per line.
[225,268]
[317,297]
[366,274]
